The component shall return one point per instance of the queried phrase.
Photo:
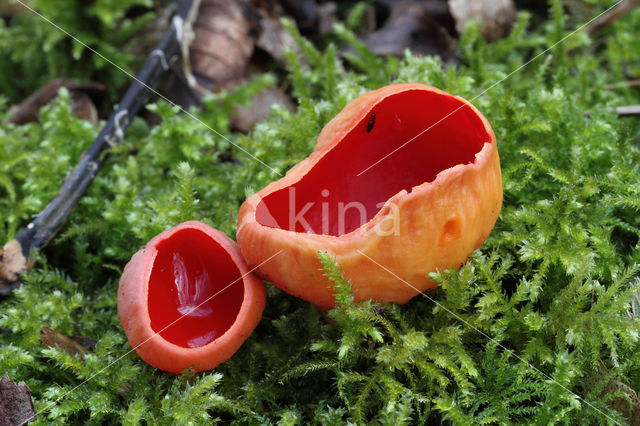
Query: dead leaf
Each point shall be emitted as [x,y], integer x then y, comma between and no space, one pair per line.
[273,38]
[87,342]
[11,8]
[144,41]
[16,405]
[54,339]
[12,265]
[223,43]
[246,117]
[27,110]
[83,107]
[415,25]
[258,106]
[628,410]
[305,12]
[495,16]
[326,18]
[123,389]
[620,10]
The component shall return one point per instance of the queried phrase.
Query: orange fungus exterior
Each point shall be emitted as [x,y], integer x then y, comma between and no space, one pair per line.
[406,176]
[188,299]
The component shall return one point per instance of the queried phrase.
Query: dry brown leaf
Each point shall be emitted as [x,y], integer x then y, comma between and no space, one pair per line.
[305,12]
[610,16]
[246,117]
[16,405]
[223,43]
[144,41]
[496,16]
[326,17]
[257,110]
[27,110]
[12,265]
[415,25]
[11,7]
[123,389]
[54,339]
[628,410]
[87,342]
[83,107]
[273,38]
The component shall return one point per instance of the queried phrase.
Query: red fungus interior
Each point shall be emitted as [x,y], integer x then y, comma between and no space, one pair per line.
[332,199]
[190,267]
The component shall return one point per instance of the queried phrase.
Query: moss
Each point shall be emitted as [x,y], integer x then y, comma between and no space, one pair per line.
[547,296]
[33,52]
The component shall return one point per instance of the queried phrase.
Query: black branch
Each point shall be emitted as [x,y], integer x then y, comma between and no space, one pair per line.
[15,255]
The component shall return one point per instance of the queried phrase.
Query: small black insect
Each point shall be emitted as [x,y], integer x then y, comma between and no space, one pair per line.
[372,122]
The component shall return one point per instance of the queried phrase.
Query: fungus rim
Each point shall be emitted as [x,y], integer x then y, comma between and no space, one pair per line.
[326,144]
[210,232]
[222,274]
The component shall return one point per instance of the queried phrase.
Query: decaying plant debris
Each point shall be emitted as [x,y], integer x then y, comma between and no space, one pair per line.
[496,16]
[83,107]
[74,345]
[419,26]
[16,406]
[13,263]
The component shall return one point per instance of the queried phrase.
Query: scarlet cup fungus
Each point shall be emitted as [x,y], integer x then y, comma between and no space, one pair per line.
[406,177]
[188,299]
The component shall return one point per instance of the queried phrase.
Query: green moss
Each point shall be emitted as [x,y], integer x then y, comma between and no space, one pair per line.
[33,52]
[552,287]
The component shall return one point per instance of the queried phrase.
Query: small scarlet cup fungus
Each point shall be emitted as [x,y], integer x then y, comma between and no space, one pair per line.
[188,299]
[405,178]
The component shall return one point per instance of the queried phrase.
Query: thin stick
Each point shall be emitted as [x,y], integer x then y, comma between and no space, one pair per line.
[611,16]
[622,111]
[14,256]
[623,84]
[628,110]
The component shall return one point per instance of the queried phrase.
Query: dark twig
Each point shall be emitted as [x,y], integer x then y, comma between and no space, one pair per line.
[623,84]
[611,16]
[14,256]
[629,110]
[622,111]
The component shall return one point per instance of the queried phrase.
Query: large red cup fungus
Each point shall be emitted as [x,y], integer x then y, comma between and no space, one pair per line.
[188,299]
[406,176]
